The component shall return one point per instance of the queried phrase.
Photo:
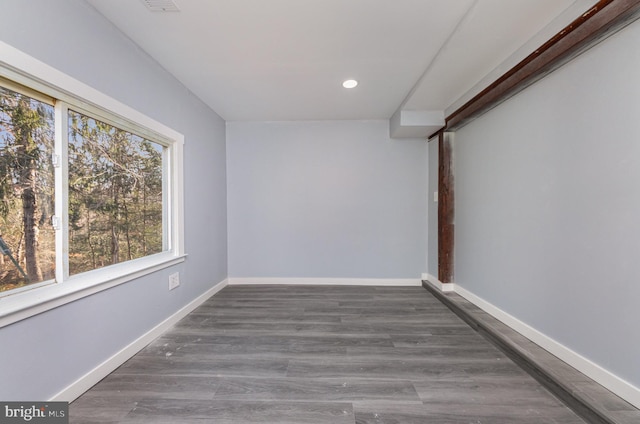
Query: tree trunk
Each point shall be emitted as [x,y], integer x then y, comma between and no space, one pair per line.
[19,256]
[144,218]
[28,182]
[30,224]
[94,264]
[115,247]
[126,231]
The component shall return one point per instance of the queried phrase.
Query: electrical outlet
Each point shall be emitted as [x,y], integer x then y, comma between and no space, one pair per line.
[174,281]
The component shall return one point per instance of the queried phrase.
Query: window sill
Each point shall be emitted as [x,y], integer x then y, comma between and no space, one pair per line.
[27,303]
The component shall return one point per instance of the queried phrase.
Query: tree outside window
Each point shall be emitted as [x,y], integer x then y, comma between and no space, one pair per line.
[26,190]
[116,193]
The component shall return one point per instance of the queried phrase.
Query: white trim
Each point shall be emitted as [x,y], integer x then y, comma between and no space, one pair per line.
[39,76]
[62,190]
[26,68]
[84,383]
[15,307]
[443,287]
[605,378]
[176,197]
[399,282]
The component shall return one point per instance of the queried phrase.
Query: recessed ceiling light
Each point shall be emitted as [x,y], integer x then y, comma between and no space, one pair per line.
[161,5]
[350,83]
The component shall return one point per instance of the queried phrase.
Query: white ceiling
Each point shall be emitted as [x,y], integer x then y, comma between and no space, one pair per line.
[270,60]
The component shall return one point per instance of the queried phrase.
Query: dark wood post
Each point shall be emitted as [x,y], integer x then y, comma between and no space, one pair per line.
[445,207]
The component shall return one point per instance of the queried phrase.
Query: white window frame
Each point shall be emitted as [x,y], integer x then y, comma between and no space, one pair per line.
[72,94]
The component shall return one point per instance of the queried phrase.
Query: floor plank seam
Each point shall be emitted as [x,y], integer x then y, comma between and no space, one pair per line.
[370,356]
[588,410]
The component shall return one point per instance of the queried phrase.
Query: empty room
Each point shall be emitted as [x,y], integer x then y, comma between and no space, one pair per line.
[319,211]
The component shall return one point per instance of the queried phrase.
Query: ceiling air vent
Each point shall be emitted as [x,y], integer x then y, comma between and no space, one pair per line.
[161,5]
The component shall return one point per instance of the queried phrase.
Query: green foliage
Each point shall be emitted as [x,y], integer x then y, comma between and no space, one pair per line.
[115,195]
[115,192]
[26,187]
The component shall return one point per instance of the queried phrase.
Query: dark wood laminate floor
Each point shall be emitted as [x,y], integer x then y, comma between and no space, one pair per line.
[302,354]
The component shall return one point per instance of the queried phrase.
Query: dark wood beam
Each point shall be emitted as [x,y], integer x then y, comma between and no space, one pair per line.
[603,19]
[446,211]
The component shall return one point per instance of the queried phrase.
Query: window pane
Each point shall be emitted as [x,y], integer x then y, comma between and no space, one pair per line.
[27,238]
[115,195]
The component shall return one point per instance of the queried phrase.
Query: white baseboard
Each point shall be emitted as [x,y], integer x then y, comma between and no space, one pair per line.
[443,287]
[84,383]
[328,281]
[620,387]
[605,378]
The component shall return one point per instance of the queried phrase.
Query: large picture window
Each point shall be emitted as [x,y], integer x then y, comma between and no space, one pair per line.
[27,238]
[90,190]
[115,195]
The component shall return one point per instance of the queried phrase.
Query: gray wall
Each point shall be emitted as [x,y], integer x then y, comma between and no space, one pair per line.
[42,355]
[332,199]
[548,205]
